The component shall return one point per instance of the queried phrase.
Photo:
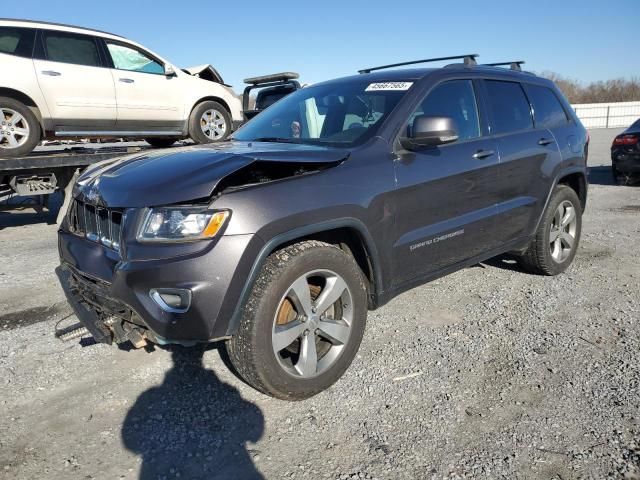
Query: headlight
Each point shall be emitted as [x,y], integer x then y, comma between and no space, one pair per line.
[180,224]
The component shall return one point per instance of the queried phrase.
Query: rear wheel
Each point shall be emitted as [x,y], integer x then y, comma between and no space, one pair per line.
[558,235]
[303,323]
[161,142]
[209,122]
[19,128]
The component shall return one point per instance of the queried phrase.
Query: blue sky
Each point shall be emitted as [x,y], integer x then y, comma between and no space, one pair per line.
[583,39]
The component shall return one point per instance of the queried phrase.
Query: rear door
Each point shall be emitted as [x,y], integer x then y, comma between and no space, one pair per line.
[445,197]
[548,113]
[528,155]
[77,87]
[147,98]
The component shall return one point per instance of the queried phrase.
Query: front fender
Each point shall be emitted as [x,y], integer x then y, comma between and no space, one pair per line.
[238,300]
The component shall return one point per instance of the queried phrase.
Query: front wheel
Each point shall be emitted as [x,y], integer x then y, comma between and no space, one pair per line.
[553,248]
[19,128]
[303,322]
[209,122]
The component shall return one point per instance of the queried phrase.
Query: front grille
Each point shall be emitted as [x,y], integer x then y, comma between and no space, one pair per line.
[98,224]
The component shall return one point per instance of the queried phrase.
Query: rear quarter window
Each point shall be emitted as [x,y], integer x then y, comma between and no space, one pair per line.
[510,109]
[17,41]
[547,109]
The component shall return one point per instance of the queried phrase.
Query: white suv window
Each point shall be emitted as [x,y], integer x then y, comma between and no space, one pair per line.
[71,48]
[127,58]
[17,41]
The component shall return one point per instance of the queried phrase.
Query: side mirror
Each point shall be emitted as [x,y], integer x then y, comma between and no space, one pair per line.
[169,71]
[430,131]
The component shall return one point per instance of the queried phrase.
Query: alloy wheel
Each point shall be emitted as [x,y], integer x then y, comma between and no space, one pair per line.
[14,129]
[312,324]
[213,124]
[562,236]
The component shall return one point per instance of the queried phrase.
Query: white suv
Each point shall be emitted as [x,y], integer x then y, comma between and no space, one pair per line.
[63,81]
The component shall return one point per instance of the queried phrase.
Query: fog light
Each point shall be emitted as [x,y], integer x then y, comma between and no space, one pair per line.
[172,300]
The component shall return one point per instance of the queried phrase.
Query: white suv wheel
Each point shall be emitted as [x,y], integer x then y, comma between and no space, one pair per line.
[19,128]
[213,124]
[14,129]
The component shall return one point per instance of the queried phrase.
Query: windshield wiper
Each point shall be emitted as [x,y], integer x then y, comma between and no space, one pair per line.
[275,140]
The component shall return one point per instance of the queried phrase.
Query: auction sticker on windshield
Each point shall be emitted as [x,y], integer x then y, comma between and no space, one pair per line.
[388,86]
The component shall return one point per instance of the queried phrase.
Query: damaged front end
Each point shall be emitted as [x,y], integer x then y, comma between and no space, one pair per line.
[106,319]
[117,251]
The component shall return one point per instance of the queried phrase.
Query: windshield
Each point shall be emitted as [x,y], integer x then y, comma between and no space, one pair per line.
[336,114]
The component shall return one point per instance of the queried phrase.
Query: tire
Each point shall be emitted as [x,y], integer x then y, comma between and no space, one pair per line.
[13,144]
[161,142]
[270,319]
[544,256]
[220,116]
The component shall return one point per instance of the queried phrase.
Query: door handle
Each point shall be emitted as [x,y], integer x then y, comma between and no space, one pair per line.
[482,154]
[127,80]
[545,141]
[51,73]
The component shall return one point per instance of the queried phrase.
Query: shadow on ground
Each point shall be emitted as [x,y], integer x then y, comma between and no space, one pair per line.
[20,211]
[603,175]
[193,425]
[504,262]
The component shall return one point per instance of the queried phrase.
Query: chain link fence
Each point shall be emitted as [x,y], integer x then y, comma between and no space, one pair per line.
[607,115]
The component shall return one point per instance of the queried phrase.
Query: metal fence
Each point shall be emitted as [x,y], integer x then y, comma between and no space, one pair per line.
[607,115]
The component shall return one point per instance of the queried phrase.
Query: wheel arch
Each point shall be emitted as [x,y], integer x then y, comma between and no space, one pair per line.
[211,98]
[28,101]
[578,182]
[350,234]
[575,178]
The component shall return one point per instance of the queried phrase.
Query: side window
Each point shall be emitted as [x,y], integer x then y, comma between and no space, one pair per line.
[547,110]
[17,41]
[455,99]
[71,48]
[132,59]
[510,108]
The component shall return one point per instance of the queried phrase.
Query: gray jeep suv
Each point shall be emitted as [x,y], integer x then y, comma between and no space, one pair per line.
[326,205]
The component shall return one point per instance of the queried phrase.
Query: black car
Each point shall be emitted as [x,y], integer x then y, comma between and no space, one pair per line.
[625,153]
[326,205]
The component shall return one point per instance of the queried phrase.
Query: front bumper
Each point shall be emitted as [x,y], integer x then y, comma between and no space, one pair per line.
[110,296]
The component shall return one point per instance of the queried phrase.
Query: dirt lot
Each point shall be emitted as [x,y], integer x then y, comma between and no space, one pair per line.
[487,373]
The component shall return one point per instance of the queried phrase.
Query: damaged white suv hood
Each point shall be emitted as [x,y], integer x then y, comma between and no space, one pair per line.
[205,72]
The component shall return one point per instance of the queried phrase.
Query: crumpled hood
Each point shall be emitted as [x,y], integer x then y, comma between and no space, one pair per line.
[166,177]
[205,72]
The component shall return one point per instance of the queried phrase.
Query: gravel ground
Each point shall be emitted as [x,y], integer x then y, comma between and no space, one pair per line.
[487,373]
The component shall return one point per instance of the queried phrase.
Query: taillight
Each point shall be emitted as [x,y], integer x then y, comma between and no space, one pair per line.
[626,140]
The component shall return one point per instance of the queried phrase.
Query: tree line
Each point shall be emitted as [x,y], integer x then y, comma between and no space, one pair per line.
[616,90]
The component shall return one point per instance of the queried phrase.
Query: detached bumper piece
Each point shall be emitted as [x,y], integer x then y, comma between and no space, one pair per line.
[107,320]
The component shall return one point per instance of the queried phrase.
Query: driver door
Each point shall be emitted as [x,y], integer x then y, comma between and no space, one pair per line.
[446,195]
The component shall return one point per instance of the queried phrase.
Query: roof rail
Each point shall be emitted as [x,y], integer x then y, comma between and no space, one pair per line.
[469,59]
[53,24]
[516,65]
